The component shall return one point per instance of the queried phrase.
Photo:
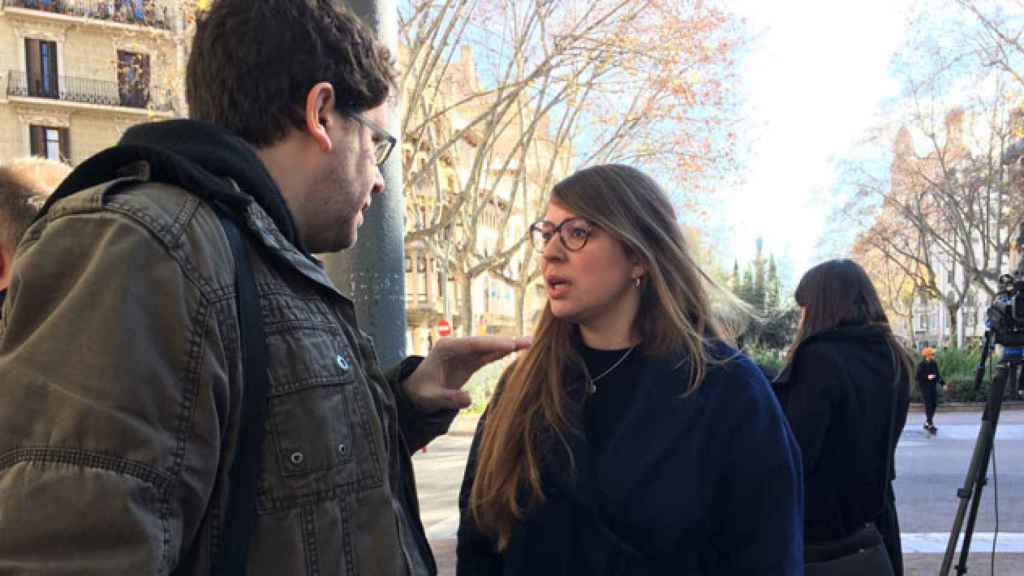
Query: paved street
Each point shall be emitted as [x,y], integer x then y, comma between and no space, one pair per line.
[929,471]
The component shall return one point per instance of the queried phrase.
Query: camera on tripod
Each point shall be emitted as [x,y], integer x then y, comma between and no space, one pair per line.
[1006,314]
[1005,320]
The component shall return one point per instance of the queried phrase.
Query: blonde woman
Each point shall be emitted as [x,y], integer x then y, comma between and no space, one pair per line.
[630,438]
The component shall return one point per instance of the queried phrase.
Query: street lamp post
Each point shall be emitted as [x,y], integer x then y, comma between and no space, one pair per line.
[372,272]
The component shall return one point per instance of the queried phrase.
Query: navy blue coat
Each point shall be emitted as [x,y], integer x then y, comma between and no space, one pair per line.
[707,484]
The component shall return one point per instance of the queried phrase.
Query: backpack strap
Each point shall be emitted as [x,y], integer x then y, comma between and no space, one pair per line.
[246,468]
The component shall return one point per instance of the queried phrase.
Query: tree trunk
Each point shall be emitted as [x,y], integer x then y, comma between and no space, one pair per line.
[910,331]
[951,338]
[466,285]
[520,309]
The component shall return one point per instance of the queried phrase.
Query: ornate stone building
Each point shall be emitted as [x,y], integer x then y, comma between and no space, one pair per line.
[74,74]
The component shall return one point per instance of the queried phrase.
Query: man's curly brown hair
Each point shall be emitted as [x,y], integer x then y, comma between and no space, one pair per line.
[254,61]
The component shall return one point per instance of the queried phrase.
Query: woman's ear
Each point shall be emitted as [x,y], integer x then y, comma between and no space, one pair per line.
[640,267]
[319,104]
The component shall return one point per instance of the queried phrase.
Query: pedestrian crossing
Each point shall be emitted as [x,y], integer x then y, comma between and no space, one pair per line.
[981,542]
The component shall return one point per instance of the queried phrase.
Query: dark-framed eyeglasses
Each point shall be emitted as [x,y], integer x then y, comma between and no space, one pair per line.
[573,233]
[383,141]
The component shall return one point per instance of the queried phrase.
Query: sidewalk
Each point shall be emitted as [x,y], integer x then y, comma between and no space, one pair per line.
[913,564]
[1008,406]
[444,554]
[979,564]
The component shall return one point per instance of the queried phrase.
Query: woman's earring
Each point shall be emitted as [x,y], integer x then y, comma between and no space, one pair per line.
[636,282]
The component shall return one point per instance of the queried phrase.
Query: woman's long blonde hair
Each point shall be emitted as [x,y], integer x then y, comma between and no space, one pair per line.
[674,317]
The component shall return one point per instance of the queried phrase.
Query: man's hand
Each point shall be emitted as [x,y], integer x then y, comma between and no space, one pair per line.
[437,382]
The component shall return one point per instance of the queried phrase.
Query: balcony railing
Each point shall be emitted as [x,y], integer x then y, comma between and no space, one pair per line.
[81,90]
[137,12]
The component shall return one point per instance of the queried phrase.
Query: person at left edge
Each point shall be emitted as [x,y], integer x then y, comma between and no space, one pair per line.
[25,184]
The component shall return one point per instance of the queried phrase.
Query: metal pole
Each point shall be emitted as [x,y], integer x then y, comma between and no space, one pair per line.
[372,272]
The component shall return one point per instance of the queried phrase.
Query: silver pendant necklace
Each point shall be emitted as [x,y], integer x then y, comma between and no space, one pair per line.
[593,381]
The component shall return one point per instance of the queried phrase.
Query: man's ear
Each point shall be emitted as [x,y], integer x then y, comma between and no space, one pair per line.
[319,104]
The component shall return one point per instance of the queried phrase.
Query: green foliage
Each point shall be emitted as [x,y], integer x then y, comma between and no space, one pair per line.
[957,362]
[771,295]
[746,291]
[770,361]
[774,330]
[482,384]
[758,294]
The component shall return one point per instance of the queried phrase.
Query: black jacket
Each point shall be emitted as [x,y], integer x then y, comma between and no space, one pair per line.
[928,368]
[671,493]
[838,396]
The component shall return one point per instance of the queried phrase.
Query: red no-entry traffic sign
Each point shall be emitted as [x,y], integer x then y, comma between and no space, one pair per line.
[443,328]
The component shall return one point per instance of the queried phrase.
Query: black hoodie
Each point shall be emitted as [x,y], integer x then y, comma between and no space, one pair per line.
[193,155]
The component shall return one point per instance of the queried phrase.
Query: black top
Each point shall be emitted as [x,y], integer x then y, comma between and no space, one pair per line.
[838,396]
[928,372]
[615,392]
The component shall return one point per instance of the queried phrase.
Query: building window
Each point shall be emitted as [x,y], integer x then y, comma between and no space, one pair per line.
[424,279]
[408,264]
[131,10]
[133,79]
[49,142]
[41,68]
[922,322]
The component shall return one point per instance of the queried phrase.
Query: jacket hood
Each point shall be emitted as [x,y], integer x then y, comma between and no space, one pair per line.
[193,155]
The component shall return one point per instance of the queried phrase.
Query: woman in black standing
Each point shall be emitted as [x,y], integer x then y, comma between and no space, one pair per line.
[845,392]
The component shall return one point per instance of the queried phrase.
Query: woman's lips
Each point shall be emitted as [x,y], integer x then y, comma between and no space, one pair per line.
[557,287]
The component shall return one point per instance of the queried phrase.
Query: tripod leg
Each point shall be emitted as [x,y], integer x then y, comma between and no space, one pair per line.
[961,567]
[973,484]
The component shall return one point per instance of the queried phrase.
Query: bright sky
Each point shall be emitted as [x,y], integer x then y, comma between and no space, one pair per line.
[812,81]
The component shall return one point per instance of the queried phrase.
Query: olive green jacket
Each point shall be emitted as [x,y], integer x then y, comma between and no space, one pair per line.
[120,394]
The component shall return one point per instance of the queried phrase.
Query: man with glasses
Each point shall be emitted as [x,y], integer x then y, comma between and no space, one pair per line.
[125,373]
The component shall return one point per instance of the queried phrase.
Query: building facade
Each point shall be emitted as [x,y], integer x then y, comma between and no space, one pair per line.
[506,191]
[77,73]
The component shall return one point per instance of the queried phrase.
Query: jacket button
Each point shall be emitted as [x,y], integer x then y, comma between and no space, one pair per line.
[343,449]
[342,363]
[297,458]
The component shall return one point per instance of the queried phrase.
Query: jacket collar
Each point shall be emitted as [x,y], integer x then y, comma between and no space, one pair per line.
[841,333]
[265,231]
